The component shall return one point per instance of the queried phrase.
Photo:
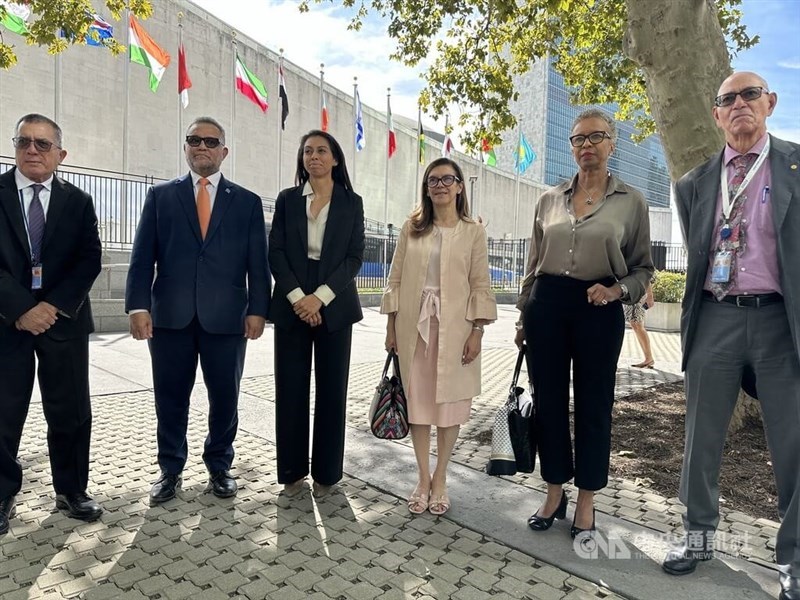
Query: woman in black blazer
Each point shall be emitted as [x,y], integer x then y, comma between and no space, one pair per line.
[316,247]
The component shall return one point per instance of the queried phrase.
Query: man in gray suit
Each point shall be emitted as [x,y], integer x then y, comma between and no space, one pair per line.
[740,216]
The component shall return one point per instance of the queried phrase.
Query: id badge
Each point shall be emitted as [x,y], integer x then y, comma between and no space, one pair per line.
[721,269]
[36,277]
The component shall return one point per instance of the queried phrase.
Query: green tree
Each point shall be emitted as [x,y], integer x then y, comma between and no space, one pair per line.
[73,17]
[659,58]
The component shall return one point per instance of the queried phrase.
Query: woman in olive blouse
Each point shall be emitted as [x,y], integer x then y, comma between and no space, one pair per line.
[590,251]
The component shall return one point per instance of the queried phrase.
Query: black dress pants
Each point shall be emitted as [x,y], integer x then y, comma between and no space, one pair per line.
[64,384]
[563,328]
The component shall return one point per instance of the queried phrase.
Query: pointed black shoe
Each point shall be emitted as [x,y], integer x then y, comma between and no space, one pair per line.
[7,511]
[538,523]
[222,484]
[790,587]
[576,531]
[78,505]
[683,560]
[165,488]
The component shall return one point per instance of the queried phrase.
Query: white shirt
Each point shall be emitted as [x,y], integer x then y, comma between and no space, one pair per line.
[316,233]
[212,187]
[24,185]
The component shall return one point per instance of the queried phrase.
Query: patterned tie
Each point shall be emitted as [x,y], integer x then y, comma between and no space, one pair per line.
[36,224]
[735,243]
[203,206]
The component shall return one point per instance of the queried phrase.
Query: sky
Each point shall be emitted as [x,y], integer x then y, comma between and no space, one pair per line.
[321,36]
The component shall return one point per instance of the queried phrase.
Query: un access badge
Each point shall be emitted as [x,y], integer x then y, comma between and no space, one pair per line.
[721,268]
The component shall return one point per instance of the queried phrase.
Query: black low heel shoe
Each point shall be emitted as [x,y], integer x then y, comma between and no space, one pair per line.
[538,523]
[575,531]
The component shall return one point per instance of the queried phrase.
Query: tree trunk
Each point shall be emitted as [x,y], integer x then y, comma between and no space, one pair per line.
[681,49]
[746,408]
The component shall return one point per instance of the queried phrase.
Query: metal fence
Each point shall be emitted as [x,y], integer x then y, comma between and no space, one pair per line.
[119,200]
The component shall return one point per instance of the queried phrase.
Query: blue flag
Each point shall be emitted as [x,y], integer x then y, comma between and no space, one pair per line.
[525,155]
[361,141]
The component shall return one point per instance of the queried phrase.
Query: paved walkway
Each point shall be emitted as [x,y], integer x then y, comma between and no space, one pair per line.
[359,542]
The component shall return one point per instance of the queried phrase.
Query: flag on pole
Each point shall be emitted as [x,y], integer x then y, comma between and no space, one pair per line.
[361,140]
[489,157]
[447,146]
[420,137]
[282,94]
[144,51]
[390,127]
[525,154]
[184,83]
[324,116]
[99,30]
[15,17]
[250,85]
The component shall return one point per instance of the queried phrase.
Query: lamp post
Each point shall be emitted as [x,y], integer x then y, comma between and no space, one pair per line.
[472,180]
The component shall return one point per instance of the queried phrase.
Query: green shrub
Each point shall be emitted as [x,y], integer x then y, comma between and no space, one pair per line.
[668,287]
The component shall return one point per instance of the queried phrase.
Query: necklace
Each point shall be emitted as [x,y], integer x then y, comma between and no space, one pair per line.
[589,199]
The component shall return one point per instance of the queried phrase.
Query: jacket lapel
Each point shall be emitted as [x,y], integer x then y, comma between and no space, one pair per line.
[185,192]
[9,202]
[296,205]
[222,202]
[785,179]
[58,202]
[336,213]
[705,202]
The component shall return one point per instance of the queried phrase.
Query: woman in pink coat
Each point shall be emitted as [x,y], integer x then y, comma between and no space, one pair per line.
[438,300]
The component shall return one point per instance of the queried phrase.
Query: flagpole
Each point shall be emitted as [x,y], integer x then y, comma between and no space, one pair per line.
[516,203]
[355,127]
[280,122]
[417,163]
[232,139]
[386,190]
[126,76]
[57,90]
[180,100]
[321,93]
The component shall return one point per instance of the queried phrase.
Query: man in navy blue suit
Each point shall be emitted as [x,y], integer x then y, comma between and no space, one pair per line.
[198,286]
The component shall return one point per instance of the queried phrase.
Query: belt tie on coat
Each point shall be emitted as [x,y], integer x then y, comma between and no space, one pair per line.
[430,306]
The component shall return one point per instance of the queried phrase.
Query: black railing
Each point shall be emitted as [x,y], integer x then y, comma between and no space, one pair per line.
[669,257]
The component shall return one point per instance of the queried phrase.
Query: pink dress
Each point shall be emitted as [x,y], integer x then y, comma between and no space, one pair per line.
[421,392]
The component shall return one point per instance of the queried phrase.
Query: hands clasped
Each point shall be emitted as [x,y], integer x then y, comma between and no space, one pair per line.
[307,308]
[38,319]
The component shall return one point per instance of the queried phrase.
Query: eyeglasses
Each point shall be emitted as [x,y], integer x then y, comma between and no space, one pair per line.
[446,181]
[22,143]
[748,95]
[595,138]
[210,142]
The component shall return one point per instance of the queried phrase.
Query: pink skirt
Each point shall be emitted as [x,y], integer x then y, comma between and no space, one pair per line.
[421,392]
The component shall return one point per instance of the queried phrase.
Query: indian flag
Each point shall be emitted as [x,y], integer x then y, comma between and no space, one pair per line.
[15,16]
[250,85]
[144,51]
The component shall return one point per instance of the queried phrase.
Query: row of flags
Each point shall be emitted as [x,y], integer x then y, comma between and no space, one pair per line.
[144,50]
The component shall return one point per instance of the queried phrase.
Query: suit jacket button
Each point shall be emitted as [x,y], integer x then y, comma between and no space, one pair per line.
[201,259]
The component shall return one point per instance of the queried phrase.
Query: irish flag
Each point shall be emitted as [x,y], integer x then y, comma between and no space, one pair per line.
[144,51]
[250,85]
[15,17]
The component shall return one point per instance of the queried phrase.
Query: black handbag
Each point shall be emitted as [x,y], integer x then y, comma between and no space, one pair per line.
[388,412]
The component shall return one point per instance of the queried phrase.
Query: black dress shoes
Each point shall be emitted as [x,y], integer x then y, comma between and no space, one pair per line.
[576,531]
[7,509]
[165,488]
[790,587]
[222,484]
[683,560]
[538,523]
[79,506]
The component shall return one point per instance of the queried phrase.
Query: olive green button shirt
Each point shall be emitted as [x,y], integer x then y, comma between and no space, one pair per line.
[611,241]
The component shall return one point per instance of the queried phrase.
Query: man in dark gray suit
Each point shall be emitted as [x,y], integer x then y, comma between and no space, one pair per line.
[740,216]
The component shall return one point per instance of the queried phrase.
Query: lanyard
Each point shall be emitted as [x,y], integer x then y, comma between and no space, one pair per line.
[727,201]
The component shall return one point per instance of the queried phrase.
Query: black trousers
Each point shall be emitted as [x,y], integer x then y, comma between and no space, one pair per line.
[64,385]
[562,328]
[293,351]
[174,354]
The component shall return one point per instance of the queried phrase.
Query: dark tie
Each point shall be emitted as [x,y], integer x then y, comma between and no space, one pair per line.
[741,165]
[36,224]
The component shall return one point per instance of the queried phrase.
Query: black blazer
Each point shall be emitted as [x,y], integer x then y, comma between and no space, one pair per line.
[71,259]
[340,259]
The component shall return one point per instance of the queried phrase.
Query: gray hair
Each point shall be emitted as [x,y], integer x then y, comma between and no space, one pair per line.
[208,121]
[37,118]
[596,113]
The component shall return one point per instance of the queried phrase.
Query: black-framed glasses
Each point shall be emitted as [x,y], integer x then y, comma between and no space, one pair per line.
[22,143]
[446,180]
[210,142]
[595,138]
[748,94]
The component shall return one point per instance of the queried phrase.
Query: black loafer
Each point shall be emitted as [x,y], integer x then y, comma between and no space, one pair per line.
[8,508]
[222,484]
[683,560]
[790,587]
[538,523]
[165,488]
[79,506]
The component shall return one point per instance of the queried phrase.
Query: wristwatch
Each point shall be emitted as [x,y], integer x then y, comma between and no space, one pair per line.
[625,294]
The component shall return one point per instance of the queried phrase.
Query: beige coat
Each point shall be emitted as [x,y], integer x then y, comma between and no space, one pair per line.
[466,295]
